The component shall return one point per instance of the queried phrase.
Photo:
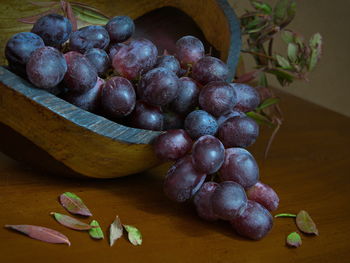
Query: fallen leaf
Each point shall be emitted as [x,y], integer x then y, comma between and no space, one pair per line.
[41,233]
[96,232]
[74,204]
[285,215]
[134,235]
[115,231]
[305,223]
[71,222]
[294,240]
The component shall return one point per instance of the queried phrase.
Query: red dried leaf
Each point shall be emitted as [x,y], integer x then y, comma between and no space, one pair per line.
[33,19]
[41,233]
[71,222]
[71,16]
[115,231]
[87,7]
[249,76]
[74,204]
[305,223]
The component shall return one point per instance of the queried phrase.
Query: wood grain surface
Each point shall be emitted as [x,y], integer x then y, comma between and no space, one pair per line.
[308,166]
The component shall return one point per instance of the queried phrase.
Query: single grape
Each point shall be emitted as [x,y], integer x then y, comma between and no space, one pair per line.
[228,200]
[248,98]
[230,114]
[264,195]
[169,62]
[118,97]
[46,67]
[217,98]
[199,123]
[19,48]
[182,180]
[120,28]
[254,222]
[172,145]
[81,75]
[89,37]
[113,49]
[209,69]
[136,58]
[90,100]
[99,59]
[187,96]
[189,50]
[158,86]
[208,154]
[54,29]
[240,167]
[202,201]
[238,132]
[147,117]
[173,121]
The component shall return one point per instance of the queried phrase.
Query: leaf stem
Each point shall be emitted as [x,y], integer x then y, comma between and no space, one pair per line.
[258,54]
[285,215]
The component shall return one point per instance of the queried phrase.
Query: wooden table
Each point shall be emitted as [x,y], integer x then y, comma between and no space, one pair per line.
[308,166]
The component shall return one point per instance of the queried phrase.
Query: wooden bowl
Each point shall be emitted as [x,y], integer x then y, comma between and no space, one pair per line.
[45,131]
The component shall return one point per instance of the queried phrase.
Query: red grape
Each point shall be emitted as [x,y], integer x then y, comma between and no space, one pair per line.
[202,201]
[120,28]
[264,195]
[199,123]
[248,98]
[168,62]
[230,114]
[189,50]
[147,117]
[113,49]
[209,69]
[187,96]
[99,59]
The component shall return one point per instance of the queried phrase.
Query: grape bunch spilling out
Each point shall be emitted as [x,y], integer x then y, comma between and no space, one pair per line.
[102,69]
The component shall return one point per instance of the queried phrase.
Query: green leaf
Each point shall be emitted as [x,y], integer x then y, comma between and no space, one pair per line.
[74,204]
[267,103]
[315,40]
[313,59]
[285,215]
[292,52]
[263,80]
[305,223]
[89,16]
[283,62]
[264,7]
[96,232]
[284,12]
[259,118]
[294,240]
[287,36]
[134,235]
[282,76]
[70,222]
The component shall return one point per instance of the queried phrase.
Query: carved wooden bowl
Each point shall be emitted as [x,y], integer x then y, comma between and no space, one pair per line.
[47,132]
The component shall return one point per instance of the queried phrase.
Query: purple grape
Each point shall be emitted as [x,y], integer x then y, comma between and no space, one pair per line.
[217,98]
[90,100]
[138,57]
[172,145]
[248,98]
[208,154]
[46,67]
[89,37]
[238,132]
[264,195]
[168,62]
[182,180]
[189,50]
[120,28]
[118,97]
[99,59]
[240,167]
[202,201]
[19,48]
[254,222]
[81,75]
[173,121]
[158,86]
[209,69]
[228,200]
[187,96]
[230,114]
[113,49]
[147,117]
[199,123]
[54,29]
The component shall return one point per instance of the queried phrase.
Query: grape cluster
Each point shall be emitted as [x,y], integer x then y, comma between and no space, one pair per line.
[102,69]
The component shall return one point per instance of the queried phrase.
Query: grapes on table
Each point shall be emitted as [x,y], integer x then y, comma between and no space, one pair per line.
[202,201]
[264,195]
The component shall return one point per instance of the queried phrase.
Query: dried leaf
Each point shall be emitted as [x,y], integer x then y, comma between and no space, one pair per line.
[283,62]
[249,76]
[41,233]
[74,204]
[292,52]
[294,240]
[33,19]
[260,6]
[43,4]
[96,232]
[285,215]
[115,231]
[268,102]
[305,223]
[70,222]
[134,235]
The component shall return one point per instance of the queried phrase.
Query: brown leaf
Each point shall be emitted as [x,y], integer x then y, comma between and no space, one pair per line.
[41,233]
[305,223]
[71,16]
[74,204]
[71,222]
[249,76]
[33,19]
[115,231]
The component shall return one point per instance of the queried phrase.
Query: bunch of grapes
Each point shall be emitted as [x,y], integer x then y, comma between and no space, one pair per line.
[102,69]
